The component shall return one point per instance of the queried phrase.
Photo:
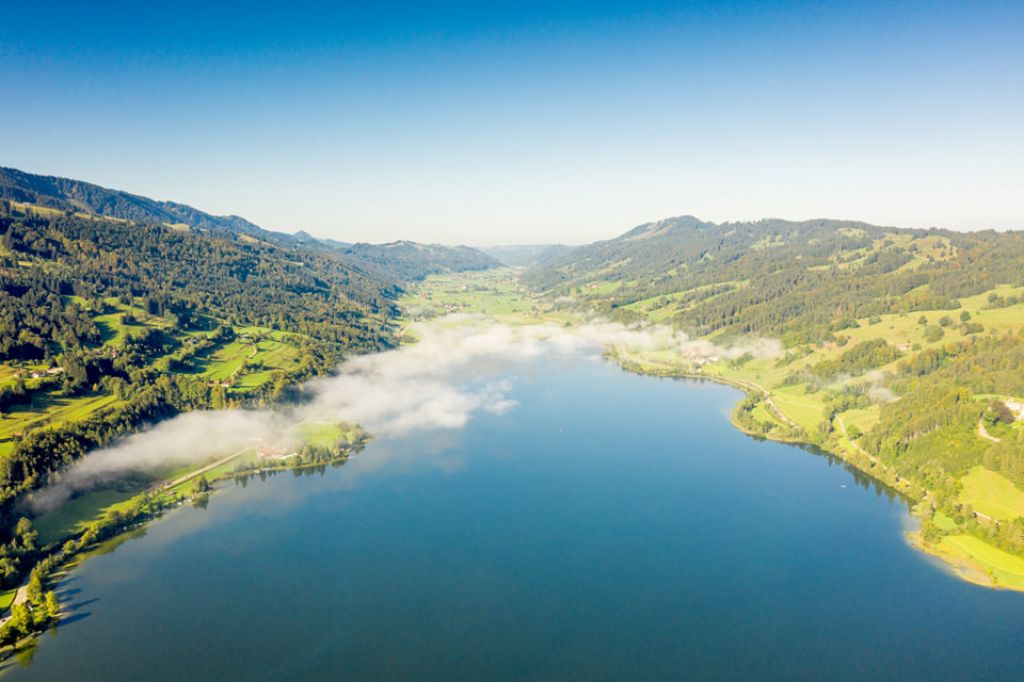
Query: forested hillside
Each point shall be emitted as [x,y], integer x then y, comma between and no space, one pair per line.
[104,324]
[798,281]
[527,255]
[117,310]
[403,260]
[903,350]
[66,194]
[412,261]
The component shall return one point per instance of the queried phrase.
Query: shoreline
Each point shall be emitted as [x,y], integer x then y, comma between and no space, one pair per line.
[155,501]
[169,494]
[963,567]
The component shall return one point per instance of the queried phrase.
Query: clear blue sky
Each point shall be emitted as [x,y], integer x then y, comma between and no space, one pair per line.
[526,121]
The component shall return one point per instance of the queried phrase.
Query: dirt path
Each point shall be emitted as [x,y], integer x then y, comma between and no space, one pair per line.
[20,598]
[223,460]
[856,446]
[770,404]
[199,472]
[985,434]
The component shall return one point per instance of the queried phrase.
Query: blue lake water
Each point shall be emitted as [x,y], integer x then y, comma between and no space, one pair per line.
[609,527]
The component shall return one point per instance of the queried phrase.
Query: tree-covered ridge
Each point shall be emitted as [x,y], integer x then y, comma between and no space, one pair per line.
[397,261]
[237,281]
[526,255]
[107,324]
[66,194]
[408,261]
[800,281]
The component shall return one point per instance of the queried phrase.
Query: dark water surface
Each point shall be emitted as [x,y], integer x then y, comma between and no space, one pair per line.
[610,527]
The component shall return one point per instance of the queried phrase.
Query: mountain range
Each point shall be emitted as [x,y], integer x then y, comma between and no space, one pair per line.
[406,260]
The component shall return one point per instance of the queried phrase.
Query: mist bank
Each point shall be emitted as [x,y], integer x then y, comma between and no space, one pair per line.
[458,367]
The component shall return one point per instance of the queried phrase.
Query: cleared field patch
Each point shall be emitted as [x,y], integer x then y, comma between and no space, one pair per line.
[992,494]
[225,361]
[326,434]
[251,362]
[1005,569]
[662,307]
[863,418]
[763,415]
[75,515]
[806,410]
[112,327]
[51,410]
[763,371]
[980,301]
[943,522]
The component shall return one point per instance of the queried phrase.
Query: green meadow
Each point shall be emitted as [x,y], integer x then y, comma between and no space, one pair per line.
[992,494]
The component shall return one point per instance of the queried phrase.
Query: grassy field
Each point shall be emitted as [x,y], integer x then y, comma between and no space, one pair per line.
[75,514]
[762,414]
[264,356]
[863,418]
[227,360]
[943,522]
[325,434]
[805,409]
[1004,569]
[992,494]
[488,292]
[497,294]
[51,410]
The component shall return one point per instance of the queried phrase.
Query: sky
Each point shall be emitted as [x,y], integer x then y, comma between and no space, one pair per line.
[526,122]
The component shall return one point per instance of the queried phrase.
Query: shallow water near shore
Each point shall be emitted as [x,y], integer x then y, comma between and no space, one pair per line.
[610,526]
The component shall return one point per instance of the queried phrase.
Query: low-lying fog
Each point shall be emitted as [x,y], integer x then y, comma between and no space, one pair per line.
[440,382]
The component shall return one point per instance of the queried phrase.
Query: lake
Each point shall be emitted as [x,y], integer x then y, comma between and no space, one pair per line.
[609,526]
